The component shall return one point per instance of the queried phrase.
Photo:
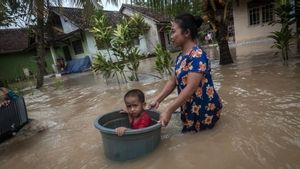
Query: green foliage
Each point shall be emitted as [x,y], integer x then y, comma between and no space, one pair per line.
[137,26]
[163,61]
[283,38]
[107,67]
[122,43]
[133,59]
[101,30]
[174,7]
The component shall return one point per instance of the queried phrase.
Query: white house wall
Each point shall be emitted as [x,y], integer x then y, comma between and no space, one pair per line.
[152,36]
[91,43]
[252,38]
[67,25]
[143,45]
[246,32]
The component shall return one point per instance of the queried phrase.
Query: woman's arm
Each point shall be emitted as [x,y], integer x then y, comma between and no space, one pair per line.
[168,88]
[193,83]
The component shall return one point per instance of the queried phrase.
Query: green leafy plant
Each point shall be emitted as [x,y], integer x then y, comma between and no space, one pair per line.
[103,34]
[163,61]
[133,64]
[283,38]
[107,67]
[121,41]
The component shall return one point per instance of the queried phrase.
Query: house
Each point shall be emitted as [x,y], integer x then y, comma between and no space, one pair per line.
[69,37]
[74,40]
[158,32]
[251,24]
[17,53]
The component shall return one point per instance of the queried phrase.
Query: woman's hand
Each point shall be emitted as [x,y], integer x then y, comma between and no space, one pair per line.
[153,105]
[120,131]
[165,117]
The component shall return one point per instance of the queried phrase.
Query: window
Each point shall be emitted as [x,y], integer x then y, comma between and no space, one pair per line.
[254,16]
[267,13]
[260,11]
[77,46]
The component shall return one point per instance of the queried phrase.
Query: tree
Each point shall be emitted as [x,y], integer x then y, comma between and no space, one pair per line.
[121,40]
[40,41]
[217,12]
[38,10]
[172,7]
[103,34]
[5,17]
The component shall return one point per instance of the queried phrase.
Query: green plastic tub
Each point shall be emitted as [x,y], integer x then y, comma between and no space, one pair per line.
[134,143]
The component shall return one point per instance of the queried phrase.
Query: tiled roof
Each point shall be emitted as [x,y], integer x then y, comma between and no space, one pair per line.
[76,16]
[157,16]
[13,40]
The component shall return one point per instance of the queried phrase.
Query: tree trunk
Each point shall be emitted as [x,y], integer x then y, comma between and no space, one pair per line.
[40,49]
[225,55]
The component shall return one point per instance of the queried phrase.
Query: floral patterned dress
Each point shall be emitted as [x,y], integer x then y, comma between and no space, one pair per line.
[203,109]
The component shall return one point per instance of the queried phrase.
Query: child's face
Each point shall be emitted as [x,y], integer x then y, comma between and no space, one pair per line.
[134,106]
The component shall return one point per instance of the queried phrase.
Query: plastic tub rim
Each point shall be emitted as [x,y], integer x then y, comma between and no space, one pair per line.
[128,131]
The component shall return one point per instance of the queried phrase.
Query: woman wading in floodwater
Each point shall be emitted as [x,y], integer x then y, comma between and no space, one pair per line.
[199,102]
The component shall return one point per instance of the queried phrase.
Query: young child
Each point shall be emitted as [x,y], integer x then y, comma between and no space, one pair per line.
[138,117]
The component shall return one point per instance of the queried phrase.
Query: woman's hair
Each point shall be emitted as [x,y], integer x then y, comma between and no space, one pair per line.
[189,22]
[135,93]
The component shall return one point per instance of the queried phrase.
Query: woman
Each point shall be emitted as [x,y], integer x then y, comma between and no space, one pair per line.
[199,102]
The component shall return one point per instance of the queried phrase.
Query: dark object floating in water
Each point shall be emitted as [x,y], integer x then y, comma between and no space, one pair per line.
[134,143]
[13,117]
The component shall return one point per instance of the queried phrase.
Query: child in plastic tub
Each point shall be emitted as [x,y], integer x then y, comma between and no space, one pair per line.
[138,117]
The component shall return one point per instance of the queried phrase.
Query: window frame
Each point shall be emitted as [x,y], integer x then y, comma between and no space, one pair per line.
[75,47]
[265,13]
[270,11]
[251,16]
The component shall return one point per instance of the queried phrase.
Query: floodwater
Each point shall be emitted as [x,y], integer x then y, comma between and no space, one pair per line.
[259,127]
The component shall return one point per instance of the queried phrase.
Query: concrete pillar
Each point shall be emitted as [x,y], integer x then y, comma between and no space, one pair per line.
[53,54]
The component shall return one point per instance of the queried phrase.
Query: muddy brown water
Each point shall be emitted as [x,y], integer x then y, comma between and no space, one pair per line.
[259,127]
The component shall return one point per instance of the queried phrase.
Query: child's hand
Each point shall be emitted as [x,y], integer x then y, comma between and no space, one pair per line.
[120,131]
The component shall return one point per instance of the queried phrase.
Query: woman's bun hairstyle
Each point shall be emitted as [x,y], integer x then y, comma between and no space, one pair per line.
[198,21]
[189,22]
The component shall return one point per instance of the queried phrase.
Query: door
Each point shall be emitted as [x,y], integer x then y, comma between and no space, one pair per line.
[67,53]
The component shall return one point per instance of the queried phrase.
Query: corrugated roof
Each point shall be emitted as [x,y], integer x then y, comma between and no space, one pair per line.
[13,40]
[76,16]
[155,15]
